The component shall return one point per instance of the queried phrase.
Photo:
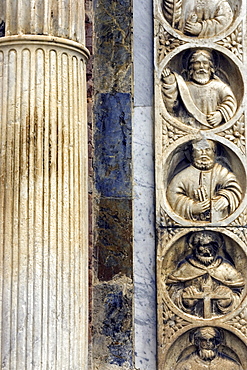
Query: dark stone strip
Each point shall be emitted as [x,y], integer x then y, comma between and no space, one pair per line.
[113,144]
[113,29]
[114,241]
[113,323]
[112,253]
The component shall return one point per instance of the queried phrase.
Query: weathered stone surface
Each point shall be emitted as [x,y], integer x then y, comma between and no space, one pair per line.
[55,18]
[114,239]
[113,44]
[113,341]
[112,140]
[112,328]
[112,293]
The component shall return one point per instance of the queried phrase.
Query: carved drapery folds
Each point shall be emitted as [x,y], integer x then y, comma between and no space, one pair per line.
[43,188]
[201,172]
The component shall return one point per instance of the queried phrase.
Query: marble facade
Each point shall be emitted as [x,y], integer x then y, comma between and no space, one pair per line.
[198,233]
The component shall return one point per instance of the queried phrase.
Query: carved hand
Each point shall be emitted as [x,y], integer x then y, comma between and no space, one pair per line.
[214,118]
[220,203]
[223,291]
[193,28]
[189,291]
[200,207]
[168,76]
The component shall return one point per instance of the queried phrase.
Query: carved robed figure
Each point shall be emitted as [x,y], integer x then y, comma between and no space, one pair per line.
[205,190]
[207,354]
[197,17]
[204,283]
[204,100]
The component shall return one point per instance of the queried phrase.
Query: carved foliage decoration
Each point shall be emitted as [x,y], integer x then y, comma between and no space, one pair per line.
[167,227]
[236,134]
[172,323]
[240,322]
[234,42]
[171,133]
[167,43]
[238,226]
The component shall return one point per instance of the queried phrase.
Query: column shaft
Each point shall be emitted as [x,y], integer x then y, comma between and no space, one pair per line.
[43,204]
[63,18]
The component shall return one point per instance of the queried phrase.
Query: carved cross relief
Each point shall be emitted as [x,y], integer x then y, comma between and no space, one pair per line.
[201,167]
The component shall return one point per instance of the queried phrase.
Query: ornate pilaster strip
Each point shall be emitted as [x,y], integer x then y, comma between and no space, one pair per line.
[200,150]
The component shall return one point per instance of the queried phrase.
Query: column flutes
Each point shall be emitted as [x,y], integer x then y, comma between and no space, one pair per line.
[43,186]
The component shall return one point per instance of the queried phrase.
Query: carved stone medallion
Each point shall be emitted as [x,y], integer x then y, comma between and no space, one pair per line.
[203,280]
[203,185]
[206,348]
[199,88]
[200,18]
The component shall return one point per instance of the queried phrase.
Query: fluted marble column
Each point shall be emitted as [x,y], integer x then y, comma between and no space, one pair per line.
[43,185]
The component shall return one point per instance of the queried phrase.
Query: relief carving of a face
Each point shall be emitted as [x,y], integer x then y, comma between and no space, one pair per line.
[205,283]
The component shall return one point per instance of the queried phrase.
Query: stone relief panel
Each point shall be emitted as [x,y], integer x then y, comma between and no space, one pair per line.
[200,18]
[204,347]
[204,182]
[199,88]
[207,347]
[205,281]
[201,281]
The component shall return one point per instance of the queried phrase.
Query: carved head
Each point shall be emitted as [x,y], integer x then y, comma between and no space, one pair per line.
[205,245]
[207,341]
[201,67]
[203,154]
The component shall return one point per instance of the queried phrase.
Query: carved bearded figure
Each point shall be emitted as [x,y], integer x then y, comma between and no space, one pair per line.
[197,17]
[204,101]
[207,355]
[205,191]
[205,284]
